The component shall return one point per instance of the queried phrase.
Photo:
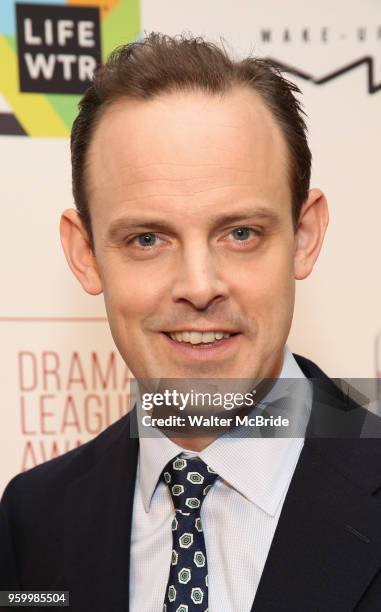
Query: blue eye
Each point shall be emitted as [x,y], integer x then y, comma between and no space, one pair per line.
[146,240]
[241,233]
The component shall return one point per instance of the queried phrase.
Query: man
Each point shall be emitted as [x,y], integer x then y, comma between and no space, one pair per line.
[194,218]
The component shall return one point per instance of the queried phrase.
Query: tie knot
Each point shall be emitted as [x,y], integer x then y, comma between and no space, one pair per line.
[188,481]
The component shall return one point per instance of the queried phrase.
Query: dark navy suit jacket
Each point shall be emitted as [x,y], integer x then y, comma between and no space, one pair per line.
[66,524]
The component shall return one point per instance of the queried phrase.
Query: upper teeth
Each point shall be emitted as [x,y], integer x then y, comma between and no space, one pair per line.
[195,337]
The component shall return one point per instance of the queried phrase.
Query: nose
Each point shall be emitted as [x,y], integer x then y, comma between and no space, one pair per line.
[198,280]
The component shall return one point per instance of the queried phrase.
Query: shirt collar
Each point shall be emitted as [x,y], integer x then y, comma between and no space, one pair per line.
[262,480]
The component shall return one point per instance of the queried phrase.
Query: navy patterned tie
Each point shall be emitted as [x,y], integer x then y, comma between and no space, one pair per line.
[189,481]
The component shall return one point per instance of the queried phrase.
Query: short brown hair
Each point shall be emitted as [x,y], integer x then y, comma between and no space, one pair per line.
[160,63]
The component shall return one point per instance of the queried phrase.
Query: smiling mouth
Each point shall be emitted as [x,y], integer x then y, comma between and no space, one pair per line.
[196,338]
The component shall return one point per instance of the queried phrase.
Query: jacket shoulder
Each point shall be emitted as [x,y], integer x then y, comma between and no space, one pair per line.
[348,434]
[54,475]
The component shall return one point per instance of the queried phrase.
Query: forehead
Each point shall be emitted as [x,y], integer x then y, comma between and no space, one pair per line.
[207,148]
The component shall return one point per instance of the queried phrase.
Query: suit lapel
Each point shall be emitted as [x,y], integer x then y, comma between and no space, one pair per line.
[326,548]
[98,515]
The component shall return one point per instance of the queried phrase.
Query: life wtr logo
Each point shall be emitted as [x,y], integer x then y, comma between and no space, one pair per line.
[58,47]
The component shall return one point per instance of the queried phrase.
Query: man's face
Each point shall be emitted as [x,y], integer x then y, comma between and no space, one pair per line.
[191,213]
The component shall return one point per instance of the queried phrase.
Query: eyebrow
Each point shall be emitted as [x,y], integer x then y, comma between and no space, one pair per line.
[158,224]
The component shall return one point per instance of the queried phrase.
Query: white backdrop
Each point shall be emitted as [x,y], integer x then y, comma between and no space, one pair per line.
[59,383]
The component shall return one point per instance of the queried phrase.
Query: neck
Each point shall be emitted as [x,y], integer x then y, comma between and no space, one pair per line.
[199,443]
[194,444]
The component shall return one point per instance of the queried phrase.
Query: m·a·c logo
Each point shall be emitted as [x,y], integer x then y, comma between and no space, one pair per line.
[366,63]
[58,47]
[325,38]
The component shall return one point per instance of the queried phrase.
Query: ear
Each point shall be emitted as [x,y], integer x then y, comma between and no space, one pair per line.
[309,235]
[79,255]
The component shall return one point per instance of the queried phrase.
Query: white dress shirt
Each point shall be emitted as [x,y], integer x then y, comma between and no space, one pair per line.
[239,514]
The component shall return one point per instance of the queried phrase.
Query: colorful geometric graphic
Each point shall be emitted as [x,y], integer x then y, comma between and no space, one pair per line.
[52,46]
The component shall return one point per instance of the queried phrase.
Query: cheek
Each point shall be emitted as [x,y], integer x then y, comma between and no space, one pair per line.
[267,288]
[130,293]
